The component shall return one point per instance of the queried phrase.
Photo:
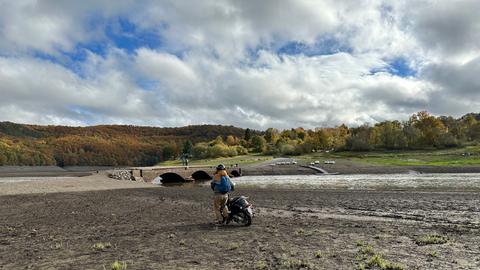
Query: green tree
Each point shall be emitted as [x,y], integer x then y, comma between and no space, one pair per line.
[340,135]
[320,140]
[218,140]
[300,133]
[474,132]
[248,135]
[469,124]
[271,135]
[388,135]
[187,147]
[200,150]
[289,134]
[360,139]
[258,143]
[168,152]
[430,126]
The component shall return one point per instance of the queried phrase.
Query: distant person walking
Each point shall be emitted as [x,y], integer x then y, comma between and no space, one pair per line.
[222,186]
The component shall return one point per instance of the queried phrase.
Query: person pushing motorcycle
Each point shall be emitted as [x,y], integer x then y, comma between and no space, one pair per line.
[222,186]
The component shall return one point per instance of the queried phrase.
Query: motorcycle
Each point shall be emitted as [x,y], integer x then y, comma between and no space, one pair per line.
[241,211]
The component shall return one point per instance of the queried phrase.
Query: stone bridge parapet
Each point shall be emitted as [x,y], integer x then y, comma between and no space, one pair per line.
[180,173]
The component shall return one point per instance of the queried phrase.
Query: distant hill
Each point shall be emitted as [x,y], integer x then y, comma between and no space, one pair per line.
[476,116]
[104,145]
[18,130]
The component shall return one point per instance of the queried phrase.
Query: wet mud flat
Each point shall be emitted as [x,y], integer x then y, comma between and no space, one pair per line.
[169,228]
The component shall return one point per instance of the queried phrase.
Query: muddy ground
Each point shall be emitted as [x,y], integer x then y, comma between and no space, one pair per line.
[169,228]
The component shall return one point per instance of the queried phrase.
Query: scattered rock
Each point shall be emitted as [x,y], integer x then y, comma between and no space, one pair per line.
[121,175]
[138,179]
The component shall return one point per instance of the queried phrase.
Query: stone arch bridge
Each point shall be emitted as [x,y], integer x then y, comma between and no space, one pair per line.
[174,174]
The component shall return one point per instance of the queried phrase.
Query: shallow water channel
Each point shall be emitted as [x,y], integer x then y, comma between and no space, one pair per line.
[447,182]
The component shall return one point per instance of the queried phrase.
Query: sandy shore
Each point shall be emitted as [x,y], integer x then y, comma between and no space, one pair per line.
[55,223]
[30,185]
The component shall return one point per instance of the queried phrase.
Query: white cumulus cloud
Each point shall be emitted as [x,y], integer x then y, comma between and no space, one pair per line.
[248,63]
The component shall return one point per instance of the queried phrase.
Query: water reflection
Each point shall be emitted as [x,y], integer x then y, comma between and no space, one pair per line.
[190,184]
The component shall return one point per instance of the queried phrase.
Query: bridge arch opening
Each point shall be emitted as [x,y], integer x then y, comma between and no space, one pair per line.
[235,173]
[201,175]
[172,178]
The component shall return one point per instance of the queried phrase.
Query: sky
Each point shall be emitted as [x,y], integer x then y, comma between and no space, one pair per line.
[255,64]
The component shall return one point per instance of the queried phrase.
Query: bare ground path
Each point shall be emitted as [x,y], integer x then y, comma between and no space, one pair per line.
[33,184]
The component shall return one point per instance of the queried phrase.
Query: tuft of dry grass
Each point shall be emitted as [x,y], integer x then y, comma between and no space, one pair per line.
[368,258]
[100,246]
[431,239]
[116,265]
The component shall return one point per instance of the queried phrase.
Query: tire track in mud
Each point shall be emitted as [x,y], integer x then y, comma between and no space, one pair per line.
[361,214]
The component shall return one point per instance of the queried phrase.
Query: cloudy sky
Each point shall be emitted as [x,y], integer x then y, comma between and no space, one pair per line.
[257,64]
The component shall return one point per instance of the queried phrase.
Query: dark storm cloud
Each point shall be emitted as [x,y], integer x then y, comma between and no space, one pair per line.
[453,27]
[460,80]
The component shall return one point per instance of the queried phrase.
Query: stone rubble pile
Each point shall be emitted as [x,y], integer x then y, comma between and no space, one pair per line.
[121,175]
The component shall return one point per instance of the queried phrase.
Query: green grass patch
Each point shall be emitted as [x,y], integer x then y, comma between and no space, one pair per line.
[240,160]
[465,156]
[431,239]
[368,258]
[292,263]
[379,261]
[421,161]
[433,254]
[116,265]
[101,246]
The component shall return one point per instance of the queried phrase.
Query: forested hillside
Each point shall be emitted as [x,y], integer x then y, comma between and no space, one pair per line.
[112,145]
[108,145]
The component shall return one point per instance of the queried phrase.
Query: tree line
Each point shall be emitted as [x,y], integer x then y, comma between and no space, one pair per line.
[111,145]
[107,145]
[421,131]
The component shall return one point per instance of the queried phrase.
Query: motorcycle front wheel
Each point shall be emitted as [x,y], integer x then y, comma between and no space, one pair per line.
[244,219]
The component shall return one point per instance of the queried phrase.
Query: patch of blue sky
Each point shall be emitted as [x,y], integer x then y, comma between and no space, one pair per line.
[125,35]
[147,84]
[70,60]
[45,56]
[324,46]
[73,59]
[114,33]
[398,66]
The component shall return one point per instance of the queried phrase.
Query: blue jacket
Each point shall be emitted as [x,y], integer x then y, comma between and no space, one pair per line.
[223,186]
